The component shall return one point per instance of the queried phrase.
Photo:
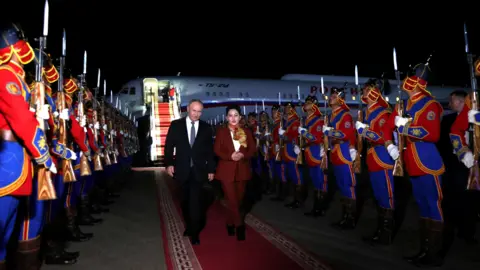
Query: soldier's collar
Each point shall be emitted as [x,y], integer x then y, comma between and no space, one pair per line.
[17,68]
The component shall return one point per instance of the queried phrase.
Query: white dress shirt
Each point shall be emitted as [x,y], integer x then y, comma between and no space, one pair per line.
[189,126]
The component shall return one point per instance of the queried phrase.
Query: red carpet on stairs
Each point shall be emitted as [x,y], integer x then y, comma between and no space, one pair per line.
[264,247]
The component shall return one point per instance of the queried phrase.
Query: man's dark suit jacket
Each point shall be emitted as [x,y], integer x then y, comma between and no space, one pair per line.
[456,173]
[201,153]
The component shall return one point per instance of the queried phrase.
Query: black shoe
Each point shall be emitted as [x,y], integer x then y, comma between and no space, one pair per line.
[186,233]
[240,233]
[195,240]
[231,230]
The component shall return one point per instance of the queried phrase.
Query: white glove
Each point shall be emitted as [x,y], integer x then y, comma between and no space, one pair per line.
[55,114]
[104,127]
[326,128]
[281,131]
[121,132]
[353,153]
[322,152]
[471,116]
[301,129]
[468,159]
[116,152]
[277,147]
[258,131]
[296,149]
[45,112]
[267,134]
[265,149]
[83,122]
[64,114]
[101,155]
[97,125]
[359,125]
[73,154]
[32,109]
[400,121]
[393,151]
[53,168]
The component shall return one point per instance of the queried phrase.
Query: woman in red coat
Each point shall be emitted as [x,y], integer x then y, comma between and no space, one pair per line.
[235,146]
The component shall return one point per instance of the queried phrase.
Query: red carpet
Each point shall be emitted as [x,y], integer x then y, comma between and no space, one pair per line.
[264,247]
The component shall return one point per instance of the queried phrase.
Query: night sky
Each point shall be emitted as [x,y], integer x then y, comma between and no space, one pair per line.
[139,38]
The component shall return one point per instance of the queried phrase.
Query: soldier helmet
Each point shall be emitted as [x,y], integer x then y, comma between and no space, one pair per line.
[313,99]
[341,93]
[375,88]
[417,76]
[13,41]
[49,69]
[253,114]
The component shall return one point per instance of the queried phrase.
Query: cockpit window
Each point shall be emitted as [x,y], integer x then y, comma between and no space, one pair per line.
[132,91]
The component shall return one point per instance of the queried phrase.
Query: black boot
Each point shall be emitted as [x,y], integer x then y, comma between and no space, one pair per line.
[424,229]
[349,215]
[84,217]
[73,232]
[28,254]
[53,246]
[373,239]
[281,192]
[315,212]
[230,230]
[433,257]
[384,233]
[240,231]
[297,198]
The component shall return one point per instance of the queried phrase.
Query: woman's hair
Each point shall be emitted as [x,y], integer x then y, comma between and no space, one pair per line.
[233,107]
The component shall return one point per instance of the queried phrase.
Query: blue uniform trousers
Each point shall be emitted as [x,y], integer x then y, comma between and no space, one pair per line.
[319,179]
[383,188]
[346,181]
[8,215]
[427,190]
[32,214]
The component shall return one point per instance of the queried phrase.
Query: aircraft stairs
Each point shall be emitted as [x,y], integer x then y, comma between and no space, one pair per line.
[164,115]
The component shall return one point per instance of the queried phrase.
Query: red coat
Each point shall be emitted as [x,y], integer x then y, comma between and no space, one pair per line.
[227,169]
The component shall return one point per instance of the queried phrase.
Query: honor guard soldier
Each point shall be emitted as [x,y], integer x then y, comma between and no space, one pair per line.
[22,140]
[474,115]
[420,127]
[275,158]
[265,126]
[290,153]
[341,133]
[314,152]
[380,163]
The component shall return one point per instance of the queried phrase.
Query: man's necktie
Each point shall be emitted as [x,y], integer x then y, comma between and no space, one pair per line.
[192,134]
[192,139]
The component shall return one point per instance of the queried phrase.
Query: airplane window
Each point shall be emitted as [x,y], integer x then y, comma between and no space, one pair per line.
[208,94]
[284,95]
[214,94]
[303,96]
[227,94]
[291,96]
[220,94]
[240,94]
[132,91]
[246,94]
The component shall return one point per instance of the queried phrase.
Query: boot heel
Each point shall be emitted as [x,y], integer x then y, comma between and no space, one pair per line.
[230,230]
[241,233]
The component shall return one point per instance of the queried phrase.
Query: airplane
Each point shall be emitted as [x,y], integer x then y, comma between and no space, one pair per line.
[251,94]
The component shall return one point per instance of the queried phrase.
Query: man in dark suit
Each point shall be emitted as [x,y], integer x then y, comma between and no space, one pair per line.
[193,164]
[457,202]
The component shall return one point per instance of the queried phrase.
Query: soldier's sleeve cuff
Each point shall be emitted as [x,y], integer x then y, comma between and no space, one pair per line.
[460,153]
[387,143]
